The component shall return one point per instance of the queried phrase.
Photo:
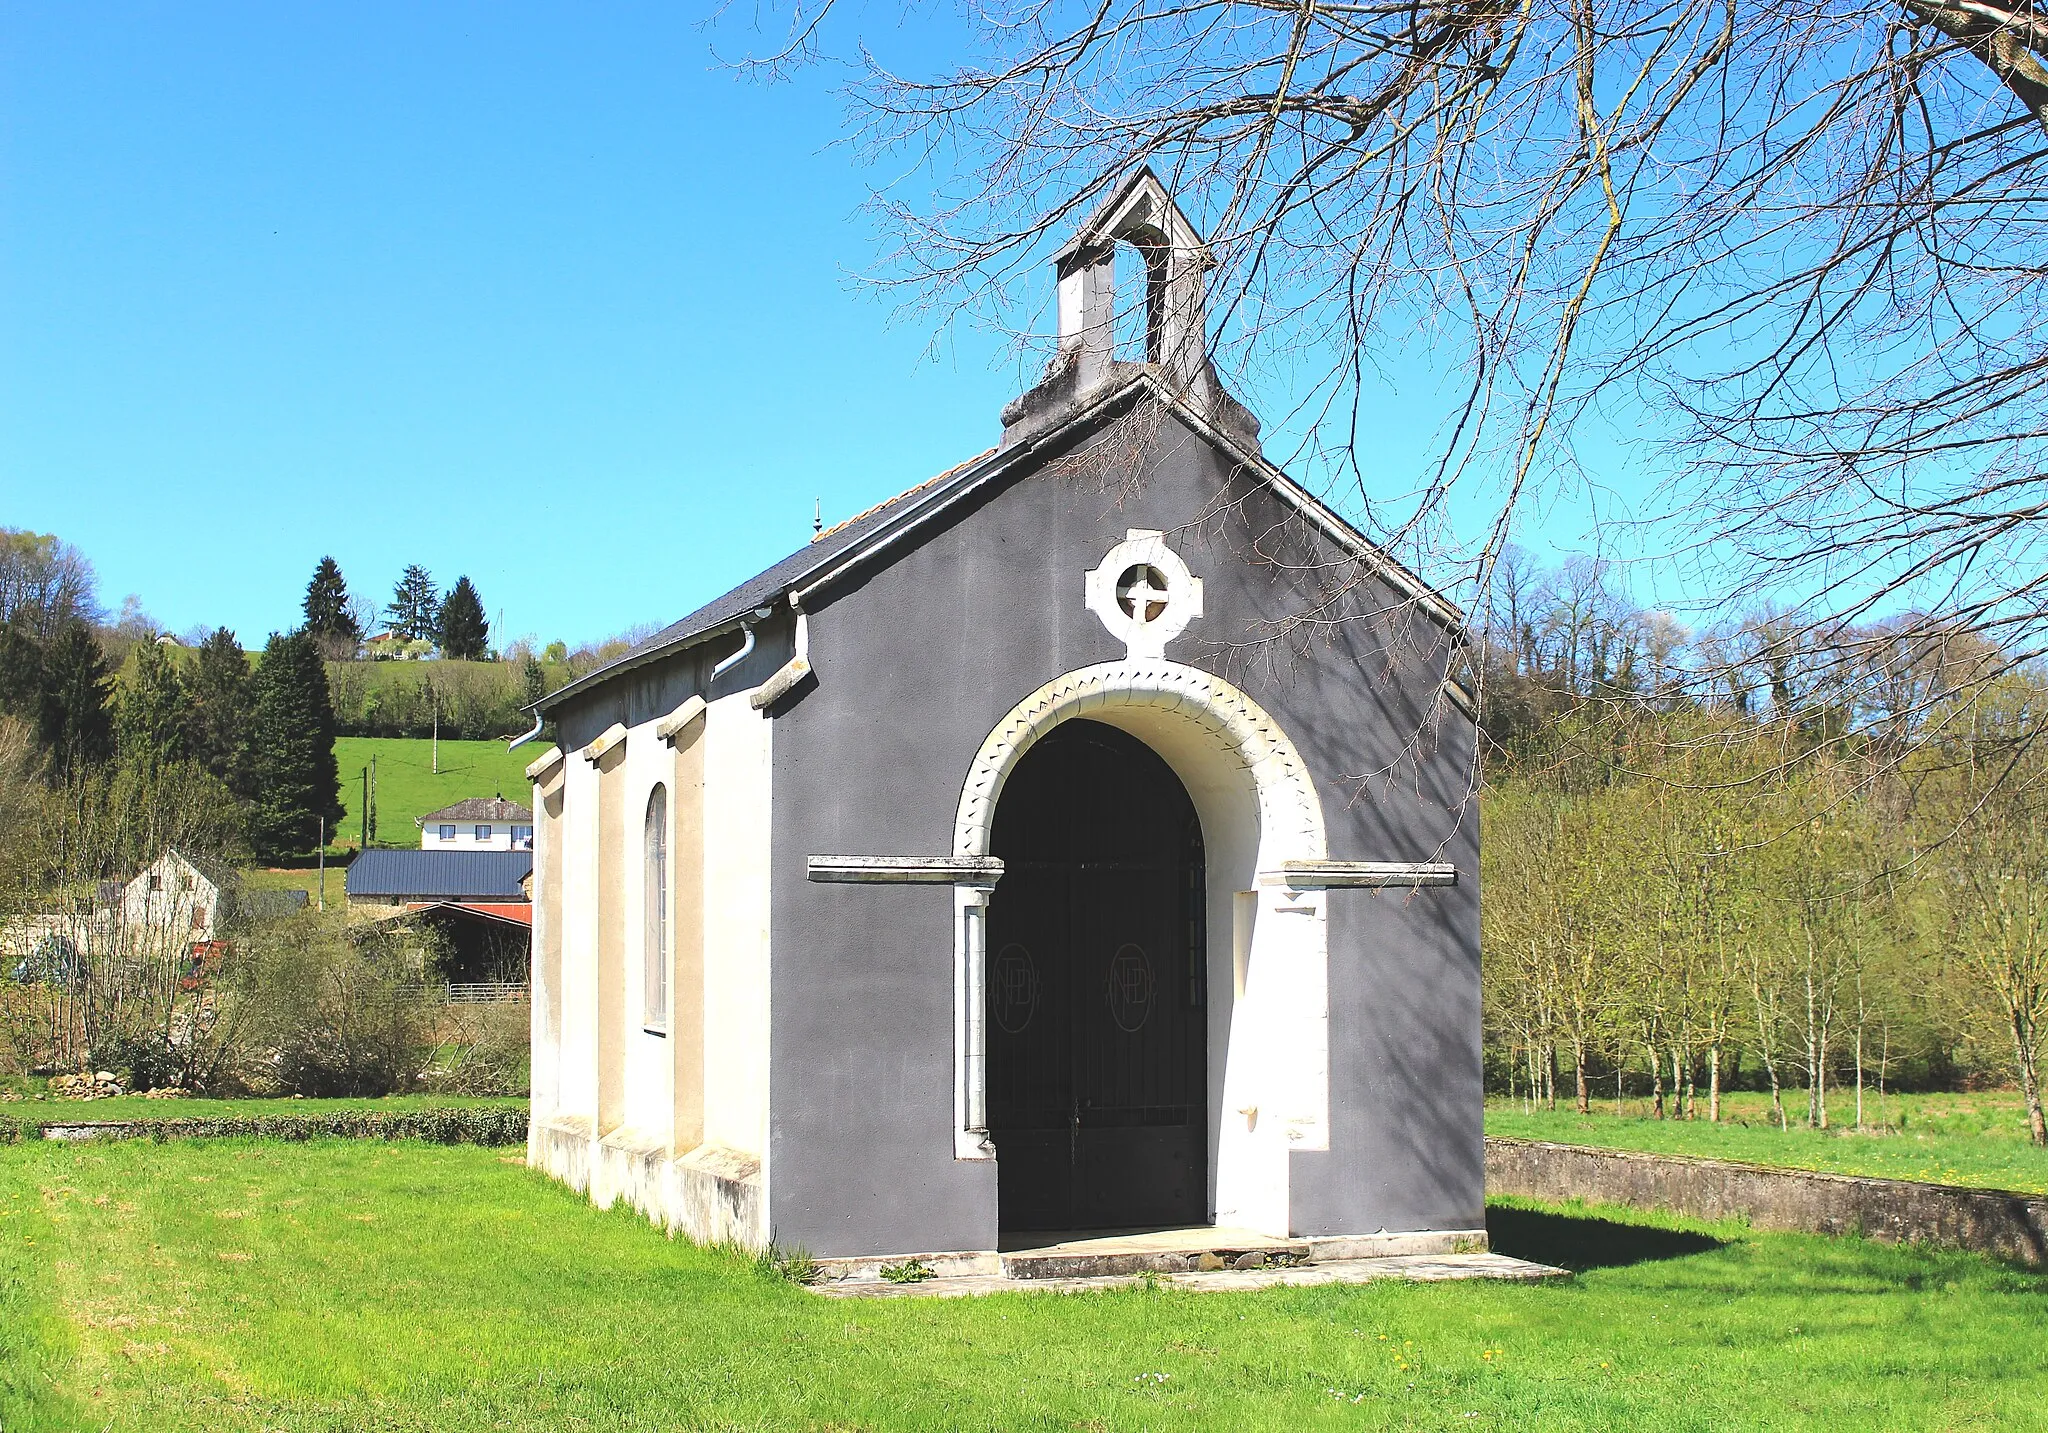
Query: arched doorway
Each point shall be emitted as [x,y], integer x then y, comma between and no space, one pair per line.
[1096,1029]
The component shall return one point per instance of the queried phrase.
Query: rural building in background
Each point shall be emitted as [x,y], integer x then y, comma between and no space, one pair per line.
[1084,838]
[178,892]
[479,902]
[400,878]
[178,905]
[482,823]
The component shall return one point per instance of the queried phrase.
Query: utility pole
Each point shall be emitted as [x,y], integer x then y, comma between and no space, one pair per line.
[323,863]
[437,726]
[363,815]
[370,830]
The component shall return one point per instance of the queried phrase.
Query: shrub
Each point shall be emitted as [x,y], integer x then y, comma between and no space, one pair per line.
[480,1050]
[331,1010]
[495,1125]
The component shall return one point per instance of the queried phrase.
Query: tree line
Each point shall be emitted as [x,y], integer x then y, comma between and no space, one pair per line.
[420,618]
[252,741]
[1765,855]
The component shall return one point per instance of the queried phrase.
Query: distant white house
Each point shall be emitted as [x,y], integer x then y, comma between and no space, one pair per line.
[482,823]
[177,903]
[177,893]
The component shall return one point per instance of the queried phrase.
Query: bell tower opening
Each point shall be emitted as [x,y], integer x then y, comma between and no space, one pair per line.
[1096,989]
[1131,285]
[1142,268]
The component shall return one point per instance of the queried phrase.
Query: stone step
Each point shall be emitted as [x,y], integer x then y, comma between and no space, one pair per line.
[1111,1261]
[1427,1268]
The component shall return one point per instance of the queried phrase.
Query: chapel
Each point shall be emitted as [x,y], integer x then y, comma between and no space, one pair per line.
[1083,839]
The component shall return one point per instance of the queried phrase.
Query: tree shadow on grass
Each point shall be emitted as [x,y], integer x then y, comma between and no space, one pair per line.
[1582,1241]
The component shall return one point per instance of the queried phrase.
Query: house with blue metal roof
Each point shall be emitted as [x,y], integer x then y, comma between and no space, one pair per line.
[418,877]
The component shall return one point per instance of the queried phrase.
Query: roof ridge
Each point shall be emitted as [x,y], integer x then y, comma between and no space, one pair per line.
[914,488]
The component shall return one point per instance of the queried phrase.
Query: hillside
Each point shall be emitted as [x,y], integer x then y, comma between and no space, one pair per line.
[408,787]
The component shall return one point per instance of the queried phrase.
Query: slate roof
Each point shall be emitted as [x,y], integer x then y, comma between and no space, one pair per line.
[764,588]
[396,876]
[478,808]
[823,552]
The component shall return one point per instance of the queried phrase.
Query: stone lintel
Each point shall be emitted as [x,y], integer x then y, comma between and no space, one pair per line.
[1369,875]
[906,870]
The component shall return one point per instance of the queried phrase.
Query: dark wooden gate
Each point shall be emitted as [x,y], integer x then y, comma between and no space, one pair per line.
[1097,1041]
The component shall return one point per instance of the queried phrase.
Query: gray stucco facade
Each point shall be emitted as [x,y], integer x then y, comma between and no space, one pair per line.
[916,662]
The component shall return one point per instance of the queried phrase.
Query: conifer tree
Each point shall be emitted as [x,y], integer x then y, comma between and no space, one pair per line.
[465,635]
[327,611]
[21,669]
[416,606]
[535,679]
[73,720]
[150,721]
[217,714]
[292,765]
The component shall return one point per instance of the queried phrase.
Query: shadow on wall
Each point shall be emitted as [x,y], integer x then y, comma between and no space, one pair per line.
[1583,1241]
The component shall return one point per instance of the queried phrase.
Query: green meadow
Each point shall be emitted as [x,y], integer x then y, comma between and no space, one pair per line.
[408,786]
[247,1285]
[1977,1138]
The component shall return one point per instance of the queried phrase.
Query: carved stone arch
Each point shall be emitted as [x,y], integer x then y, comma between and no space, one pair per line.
[1268,943]
[1238,728]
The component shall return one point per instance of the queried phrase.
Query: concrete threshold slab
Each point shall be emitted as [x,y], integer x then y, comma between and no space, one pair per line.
[1159,1251]
[1420,1268]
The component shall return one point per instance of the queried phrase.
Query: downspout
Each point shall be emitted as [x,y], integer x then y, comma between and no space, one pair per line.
[792,671]
[519,741]
[746,643]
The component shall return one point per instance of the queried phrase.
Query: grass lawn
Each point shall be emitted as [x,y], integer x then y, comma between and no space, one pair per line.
[301,878]
[134,1107]
[243,1285]
[408,786]
[1978,1139]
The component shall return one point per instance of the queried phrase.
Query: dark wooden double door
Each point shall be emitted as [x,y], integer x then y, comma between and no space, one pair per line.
[1096,1036]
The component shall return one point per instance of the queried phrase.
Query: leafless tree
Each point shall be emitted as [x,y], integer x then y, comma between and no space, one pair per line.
[1803,240]
[44,582]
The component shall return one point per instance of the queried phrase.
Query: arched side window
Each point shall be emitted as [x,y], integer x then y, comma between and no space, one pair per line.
[654,894]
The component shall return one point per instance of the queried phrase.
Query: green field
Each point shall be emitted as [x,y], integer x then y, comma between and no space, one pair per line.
[1978,1139]
[244,1285]
[408,786]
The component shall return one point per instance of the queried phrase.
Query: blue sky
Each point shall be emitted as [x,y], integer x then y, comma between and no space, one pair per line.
[544,296]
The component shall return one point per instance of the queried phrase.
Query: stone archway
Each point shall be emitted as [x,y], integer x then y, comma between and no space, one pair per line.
[1269,1039]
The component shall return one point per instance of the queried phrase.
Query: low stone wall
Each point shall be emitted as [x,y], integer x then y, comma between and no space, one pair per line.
[1987,1221]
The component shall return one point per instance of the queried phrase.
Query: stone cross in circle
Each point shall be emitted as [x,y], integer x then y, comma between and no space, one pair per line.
[1139,592]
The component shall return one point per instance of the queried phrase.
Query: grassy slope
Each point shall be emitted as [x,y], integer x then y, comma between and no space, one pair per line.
[243,1285]
[1977,1139]
[408,787]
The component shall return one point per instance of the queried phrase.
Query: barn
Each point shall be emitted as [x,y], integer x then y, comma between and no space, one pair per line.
[1081,839]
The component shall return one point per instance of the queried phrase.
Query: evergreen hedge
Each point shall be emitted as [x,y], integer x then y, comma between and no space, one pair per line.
[487,1125]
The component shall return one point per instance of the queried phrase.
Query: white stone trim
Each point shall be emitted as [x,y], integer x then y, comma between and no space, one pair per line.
[1260,811]
[680,720]
[1369,875]
[1290,816]
[905,870]
[970,1036]
[1143,547]
[785,677]
[611,737]
[541,765]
